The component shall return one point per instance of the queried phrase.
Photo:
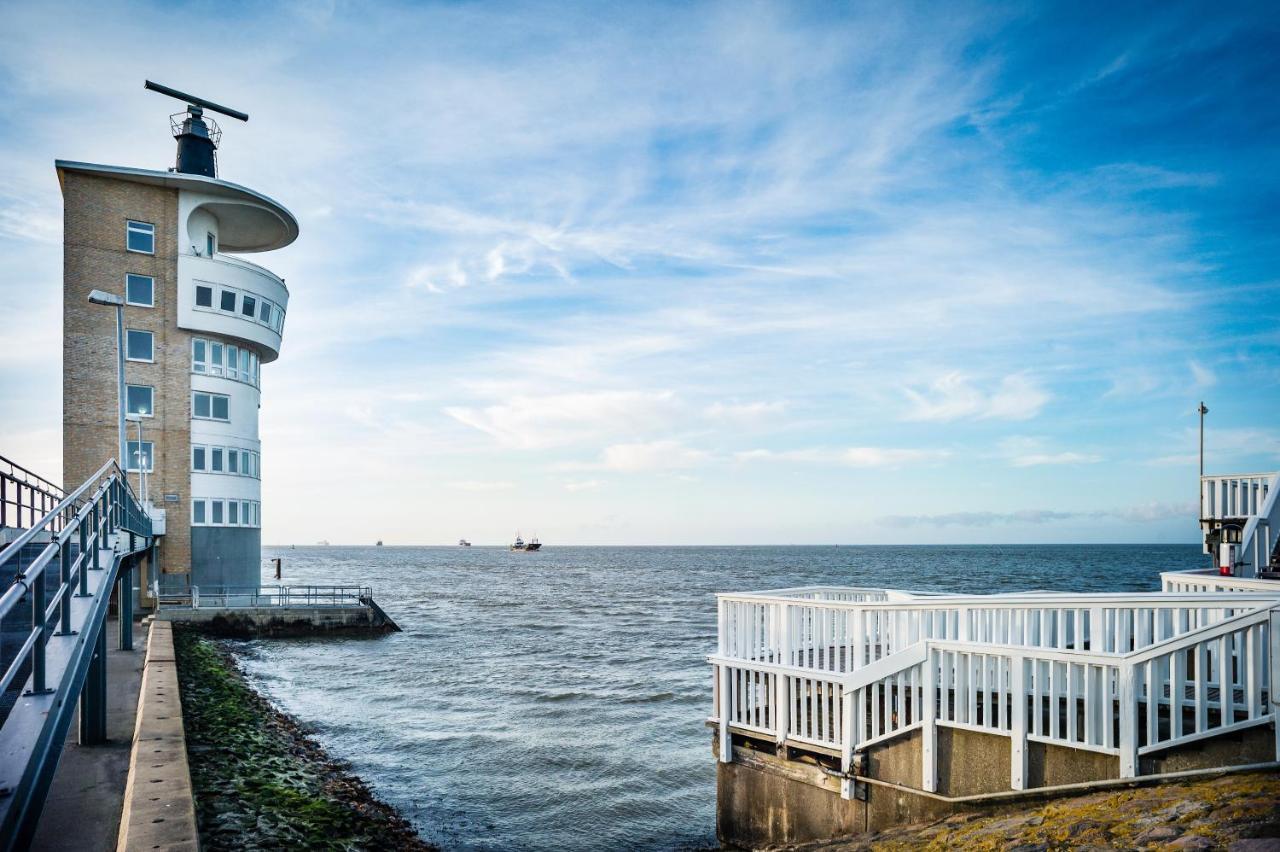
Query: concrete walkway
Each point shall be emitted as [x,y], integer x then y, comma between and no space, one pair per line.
[82,813]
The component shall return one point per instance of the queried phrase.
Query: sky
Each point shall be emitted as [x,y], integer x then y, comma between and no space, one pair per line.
[704,273]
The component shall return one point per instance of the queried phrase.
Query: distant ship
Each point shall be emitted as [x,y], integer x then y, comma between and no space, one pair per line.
[520,544]
[462,542]
[379,544]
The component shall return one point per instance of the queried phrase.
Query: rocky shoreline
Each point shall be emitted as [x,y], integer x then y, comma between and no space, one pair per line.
[1234,812]
[259,781]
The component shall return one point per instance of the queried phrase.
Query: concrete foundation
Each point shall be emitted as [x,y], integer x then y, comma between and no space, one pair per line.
[766,797]
[278,621]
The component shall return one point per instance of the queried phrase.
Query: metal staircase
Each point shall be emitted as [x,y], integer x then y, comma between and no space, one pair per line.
[61,556]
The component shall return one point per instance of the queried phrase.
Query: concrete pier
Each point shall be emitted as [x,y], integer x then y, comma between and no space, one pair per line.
[282,622]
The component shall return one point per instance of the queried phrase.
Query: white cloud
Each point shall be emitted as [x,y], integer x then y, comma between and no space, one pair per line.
[537,422]
[654,455]
[1031,452]
[850,456]
[481,486]
[744,411]
[1202,376]
[954,396]
[583,485]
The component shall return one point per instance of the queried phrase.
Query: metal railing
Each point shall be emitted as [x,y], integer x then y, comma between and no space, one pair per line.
[242,597]
[25,497]
[1126,675]
[85,538]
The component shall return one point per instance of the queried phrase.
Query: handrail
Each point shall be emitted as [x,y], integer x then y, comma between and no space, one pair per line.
[1268,517]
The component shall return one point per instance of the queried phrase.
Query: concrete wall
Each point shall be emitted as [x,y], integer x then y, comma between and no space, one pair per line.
[226,556]
[249,622]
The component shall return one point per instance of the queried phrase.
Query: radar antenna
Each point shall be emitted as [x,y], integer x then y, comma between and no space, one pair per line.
[197,136]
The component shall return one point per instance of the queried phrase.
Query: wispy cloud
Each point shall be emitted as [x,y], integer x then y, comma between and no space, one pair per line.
[954,396]
[849,456]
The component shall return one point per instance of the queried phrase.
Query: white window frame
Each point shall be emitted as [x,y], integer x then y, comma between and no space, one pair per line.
[152,407]
[194,416]
[201,522]
[129,301]
[150,455]
[195,296]
[151,334]
[205,451]
[143,228]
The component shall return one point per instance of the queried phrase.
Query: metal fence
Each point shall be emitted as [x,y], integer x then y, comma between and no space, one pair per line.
[245,597]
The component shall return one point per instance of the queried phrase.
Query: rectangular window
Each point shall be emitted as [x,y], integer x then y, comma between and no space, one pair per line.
[197,511]
[216,513]
[140,290]
[264,312]
[139,345]
[140,399]
[232,358]
[228,301]
[244,366]
[233,461]
[248,305]
[215,359]
[199,355]
[208,242]
[209,406]
[140,237]
[204,296]
[197,458]
[215,459]
[134,455]
[233,512]
[244,513]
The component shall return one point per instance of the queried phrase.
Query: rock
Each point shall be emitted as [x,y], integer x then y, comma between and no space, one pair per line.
[1256,844]
[1038,819]
[1030,847]
[1192,841]
[1084,826]
[1159,834]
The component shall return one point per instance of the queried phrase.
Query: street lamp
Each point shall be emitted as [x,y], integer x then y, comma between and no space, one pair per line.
[142,458]
[99,297]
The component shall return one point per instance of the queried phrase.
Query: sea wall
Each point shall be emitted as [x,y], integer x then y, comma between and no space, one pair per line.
[279,622]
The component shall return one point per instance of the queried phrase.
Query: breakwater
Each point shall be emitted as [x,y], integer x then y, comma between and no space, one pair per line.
[259,781]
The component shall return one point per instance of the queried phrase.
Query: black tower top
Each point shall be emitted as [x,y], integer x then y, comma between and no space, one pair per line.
[197,136]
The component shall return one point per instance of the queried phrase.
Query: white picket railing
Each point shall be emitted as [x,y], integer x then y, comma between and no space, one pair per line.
[1200,582]
[835,677]
[1238,495]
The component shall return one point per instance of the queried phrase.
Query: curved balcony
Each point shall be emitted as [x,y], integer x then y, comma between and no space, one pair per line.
[231,297]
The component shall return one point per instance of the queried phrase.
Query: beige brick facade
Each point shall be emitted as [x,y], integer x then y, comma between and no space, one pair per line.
[95,212]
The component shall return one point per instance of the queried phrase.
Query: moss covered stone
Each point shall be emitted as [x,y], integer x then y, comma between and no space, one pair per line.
[259,782]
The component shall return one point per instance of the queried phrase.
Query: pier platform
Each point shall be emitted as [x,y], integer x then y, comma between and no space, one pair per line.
[276,611]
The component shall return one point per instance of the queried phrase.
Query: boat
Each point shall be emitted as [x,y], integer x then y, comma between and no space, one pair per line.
[379,544]
[462,542]
[529,546]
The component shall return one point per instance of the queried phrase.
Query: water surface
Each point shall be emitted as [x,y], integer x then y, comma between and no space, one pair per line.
[557,700]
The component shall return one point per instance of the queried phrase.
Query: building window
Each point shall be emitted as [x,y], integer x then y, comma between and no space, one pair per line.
[197,458]
[217,359]
[140,400]
[264,312]
[233,512]
[209,242]
[215,459]
[139,345]
[248,305]
[210,406]
[228,301]
[197,512]
[140,237]
[199,356]
[233,461]
[140,290]
[204,296]
[219,512]
[215,516]
[132,455]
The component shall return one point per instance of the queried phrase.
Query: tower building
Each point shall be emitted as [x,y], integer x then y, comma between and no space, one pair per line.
[199,321]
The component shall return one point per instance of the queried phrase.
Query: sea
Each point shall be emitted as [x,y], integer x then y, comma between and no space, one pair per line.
[557,700]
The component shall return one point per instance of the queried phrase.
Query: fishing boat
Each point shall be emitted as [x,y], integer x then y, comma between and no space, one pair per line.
[533,544]
[462,542]
[519,543]
[529,546]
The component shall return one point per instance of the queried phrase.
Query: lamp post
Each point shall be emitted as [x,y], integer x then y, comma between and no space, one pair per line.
[1203,411]
[99,297]
[142,458]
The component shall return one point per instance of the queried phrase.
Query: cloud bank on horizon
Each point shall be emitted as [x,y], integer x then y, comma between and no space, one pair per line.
[711,273]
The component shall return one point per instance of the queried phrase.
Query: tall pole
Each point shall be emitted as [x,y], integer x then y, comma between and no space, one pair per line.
[120,385]
[1203,411]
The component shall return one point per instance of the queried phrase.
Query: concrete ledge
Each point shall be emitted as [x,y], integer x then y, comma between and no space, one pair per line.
[159,810]
[280,621]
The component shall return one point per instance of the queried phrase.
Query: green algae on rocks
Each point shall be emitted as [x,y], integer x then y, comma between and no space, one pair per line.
[259,782]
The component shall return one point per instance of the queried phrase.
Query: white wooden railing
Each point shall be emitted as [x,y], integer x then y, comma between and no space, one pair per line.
[1127,675]
[1199,582]
[1238,495]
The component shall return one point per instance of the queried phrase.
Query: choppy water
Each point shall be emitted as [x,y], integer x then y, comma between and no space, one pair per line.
[556,700]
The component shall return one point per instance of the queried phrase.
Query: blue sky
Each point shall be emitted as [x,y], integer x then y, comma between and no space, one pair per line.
[705,273]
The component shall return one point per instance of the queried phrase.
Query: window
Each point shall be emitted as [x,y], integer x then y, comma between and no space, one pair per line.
[228,301]
[210,406]
[216,514]
[215,459]
[264,312]
[248,305]
[140,237]
[199,356]
[244,512]
[219,512]
[218,359]
[197,512]
[244,366]
[132,455]
[139,345]
[233,512]
[140,399]
[140,290]
[204,296]
[198,458]
[208,241]
[233,357]
[233,461]
[215,358]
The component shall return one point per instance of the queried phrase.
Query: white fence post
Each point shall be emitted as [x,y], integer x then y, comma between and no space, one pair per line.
[195,597]
[726,738]
[848,739]
[1273,692]
[929,731]
[1018,723]
[1128,709]
[781,682]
